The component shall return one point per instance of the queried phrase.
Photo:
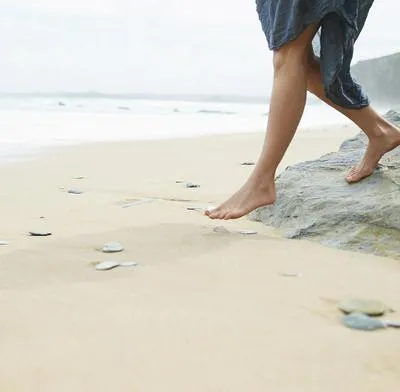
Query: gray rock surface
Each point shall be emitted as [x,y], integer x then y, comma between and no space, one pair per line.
[315,202]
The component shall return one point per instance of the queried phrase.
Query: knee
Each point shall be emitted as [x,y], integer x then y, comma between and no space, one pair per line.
[289,56]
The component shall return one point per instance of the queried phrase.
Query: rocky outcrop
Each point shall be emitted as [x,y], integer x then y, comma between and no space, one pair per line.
[315,202]
[380,77]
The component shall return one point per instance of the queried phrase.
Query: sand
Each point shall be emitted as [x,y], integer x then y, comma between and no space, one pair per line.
[203,311]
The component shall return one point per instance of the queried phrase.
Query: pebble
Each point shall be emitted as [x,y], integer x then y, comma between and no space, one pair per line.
[191,185]
[247,163]
[75,191]
[3,243]
[247,232]
[113,247]
[107,265]
[362,322]
[127,264]
[40,233]
[366,306]
[78,178]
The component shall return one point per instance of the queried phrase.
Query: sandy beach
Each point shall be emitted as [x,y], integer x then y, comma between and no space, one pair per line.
[203,311]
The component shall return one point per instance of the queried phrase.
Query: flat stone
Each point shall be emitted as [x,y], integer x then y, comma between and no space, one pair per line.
[75,191]
[40,233]
[107,265]
[248,163]
[315,202]
[191,185]
[362,322]
[2,243]
[366,306]
[128,264]
[113,247]
[248,232]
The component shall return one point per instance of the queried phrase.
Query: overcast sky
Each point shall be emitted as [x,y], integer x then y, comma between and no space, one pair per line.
[154,46]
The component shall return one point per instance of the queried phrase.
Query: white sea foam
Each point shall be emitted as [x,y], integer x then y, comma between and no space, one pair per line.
[30,123]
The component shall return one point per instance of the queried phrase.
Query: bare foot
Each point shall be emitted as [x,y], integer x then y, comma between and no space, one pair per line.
[377,147]
[250,197]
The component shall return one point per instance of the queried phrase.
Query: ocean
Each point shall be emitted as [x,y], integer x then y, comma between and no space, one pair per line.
[31,123]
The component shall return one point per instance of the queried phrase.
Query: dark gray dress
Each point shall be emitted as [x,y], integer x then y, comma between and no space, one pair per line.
[341,22]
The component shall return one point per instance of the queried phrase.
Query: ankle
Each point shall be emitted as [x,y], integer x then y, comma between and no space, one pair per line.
[262,180]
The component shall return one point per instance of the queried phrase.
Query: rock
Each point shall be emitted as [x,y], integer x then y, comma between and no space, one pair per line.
[3,243]
[113,247]
[107,265]
[366,306]
[78,178]
[191,185]
[248,163]
[315,202]
[128,264]
[362,322]
[247,232]
[40,233]
[75,191]
[380,77]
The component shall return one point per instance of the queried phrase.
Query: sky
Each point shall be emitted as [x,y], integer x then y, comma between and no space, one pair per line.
[152,46]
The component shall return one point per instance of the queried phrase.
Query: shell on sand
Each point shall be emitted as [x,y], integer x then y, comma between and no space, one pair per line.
[367,306]
[113,247]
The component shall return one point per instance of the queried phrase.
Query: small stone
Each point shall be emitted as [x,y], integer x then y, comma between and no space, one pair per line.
[3,243]
[247,232]
[113,247]
[221,230]
[191,185]
[40,233]
[248,163]
[75,191]
[366,306]
[107,265]
[78,178]
[128,264]
[362,322]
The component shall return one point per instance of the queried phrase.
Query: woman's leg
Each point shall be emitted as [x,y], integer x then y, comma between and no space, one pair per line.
[286,108]
[383,136]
